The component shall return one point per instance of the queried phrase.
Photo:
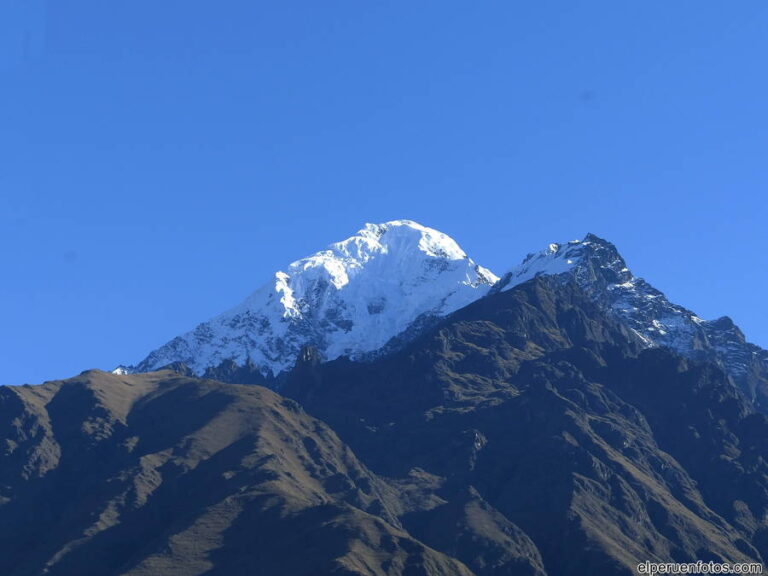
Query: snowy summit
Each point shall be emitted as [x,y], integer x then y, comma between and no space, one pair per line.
[348,300]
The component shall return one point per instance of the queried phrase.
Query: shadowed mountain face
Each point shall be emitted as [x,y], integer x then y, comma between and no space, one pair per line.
[529,433]
[552,417]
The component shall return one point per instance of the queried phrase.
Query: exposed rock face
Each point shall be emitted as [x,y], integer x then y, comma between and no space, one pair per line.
[598,268]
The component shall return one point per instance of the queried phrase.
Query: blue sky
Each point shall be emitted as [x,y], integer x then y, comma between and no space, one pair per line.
[158,160]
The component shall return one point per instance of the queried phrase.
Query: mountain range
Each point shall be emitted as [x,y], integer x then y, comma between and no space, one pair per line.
[389,407]
[371,293]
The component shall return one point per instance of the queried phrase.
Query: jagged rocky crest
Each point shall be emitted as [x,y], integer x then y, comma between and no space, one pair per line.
[598,268]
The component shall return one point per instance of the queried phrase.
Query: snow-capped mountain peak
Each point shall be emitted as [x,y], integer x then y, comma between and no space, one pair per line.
[349,299]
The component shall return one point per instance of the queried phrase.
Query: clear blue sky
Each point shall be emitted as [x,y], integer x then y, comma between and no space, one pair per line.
[158,160]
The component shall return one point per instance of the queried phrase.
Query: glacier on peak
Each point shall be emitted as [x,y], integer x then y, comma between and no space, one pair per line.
[350,299]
